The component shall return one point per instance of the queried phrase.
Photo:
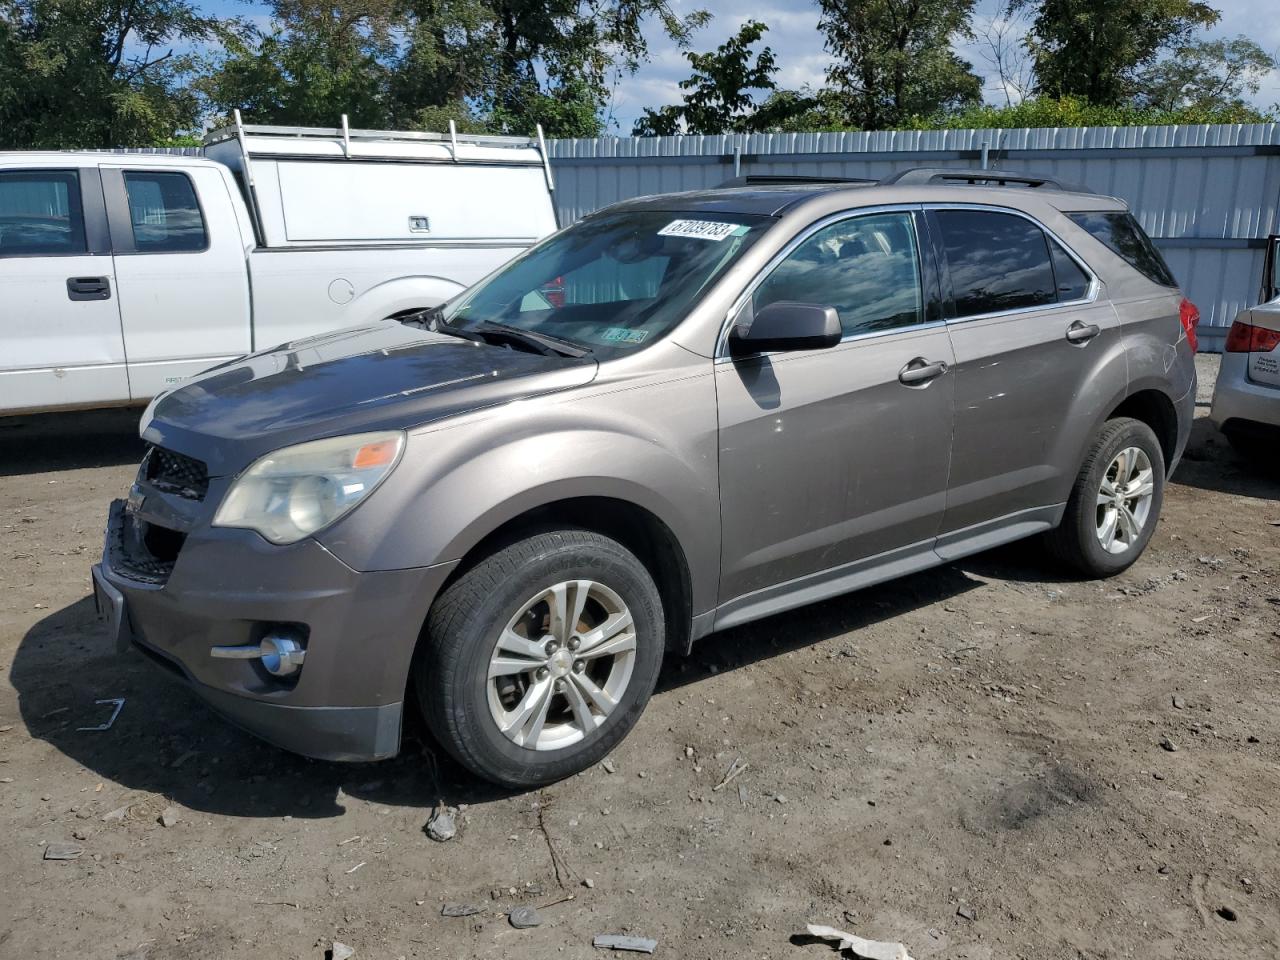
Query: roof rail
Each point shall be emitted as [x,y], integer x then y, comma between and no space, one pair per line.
[776,179]
[977,177]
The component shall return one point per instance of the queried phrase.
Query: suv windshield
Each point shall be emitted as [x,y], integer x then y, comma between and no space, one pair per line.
[612,283]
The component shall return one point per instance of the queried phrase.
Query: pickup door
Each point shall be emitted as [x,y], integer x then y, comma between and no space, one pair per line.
[60,341]
[180,270]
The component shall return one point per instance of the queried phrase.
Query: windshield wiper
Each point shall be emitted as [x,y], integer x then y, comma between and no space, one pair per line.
[542,343]
[424,318]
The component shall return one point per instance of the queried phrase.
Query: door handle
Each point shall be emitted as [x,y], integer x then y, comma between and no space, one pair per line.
[1080,332]
[88,288]
[920,371]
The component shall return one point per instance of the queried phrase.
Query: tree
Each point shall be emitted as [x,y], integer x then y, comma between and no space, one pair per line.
[99,73]
[1206,75]
[517,63]
[894,58]
[718,96]
[1097,50]
[496,65]
[1002,44]
[1076,112]
[800,111]
[318,62]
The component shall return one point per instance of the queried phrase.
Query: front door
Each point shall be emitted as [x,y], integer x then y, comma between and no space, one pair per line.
[1037,350]
[831,457]
[60,340]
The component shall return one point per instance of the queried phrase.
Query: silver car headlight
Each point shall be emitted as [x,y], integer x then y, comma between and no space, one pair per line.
[292,493]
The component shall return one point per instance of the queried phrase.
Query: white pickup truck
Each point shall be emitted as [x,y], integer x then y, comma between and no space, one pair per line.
[122,274]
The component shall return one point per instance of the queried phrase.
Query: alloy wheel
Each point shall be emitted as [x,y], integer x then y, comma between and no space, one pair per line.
[1124,500]
[561,665]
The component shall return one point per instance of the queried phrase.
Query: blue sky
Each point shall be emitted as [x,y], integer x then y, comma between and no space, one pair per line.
[797,43]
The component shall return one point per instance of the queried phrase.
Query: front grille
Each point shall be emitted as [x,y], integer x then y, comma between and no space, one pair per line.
[139,550]
[176,473]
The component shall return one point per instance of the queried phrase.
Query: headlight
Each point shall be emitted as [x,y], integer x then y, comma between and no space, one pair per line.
[292,493]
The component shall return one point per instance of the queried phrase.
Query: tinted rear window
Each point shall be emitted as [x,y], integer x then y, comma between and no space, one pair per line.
[997,261]
[1073,283]
[164,212]
[1126,238]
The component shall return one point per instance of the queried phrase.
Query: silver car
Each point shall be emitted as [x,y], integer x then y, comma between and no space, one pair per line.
[1246,397]
[680,414]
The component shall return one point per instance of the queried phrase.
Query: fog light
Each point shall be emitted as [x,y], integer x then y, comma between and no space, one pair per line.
[282,655]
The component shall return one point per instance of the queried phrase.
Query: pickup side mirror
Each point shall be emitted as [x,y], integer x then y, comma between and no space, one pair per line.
[787,325]
[1271,270]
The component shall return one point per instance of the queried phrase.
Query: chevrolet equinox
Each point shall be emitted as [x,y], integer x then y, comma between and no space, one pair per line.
[680,414]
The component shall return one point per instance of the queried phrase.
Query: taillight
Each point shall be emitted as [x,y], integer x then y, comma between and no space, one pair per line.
[1246,338]
[1189,314]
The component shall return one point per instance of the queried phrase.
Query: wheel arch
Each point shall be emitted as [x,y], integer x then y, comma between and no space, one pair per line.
[1153,407]
[636,527]
[401,295]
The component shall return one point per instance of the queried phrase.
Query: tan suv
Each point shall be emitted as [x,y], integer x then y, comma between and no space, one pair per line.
[682,413]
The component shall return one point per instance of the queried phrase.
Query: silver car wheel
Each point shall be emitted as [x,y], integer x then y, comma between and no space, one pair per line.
[1124,500]
[561,665]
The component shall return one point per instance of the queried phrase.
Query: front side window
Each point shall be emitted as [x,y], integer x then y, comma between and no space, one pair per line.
[164,213]
[611,283]
[997,261]
[867,267]
[40,214]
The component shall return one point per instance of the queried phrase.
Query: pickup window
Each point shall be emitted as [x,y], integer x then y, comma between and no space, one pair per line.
[164,213]
[40,214]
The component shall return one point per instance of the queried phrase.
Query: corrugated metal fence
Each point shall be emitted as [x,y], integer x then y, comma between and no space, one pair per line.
[1209,195]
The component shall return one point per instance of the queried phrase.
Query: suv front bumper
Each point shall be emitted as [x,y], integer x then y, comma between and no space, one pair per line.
[227,587]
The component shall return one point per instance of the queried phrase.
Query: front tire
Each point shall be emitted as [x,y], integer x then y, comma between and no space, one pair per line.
[539,659]
[1115,503]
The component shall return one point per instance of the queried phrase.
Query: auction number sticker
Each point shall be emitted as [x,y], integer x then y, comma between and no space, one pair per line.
[701,229]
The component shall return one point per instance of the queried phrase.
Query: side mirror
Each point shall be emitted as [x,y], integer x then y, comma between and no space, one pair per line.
[787,325]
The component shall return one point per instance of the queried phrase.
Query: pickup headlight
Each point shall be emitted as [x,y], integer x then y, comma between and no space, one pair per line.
[292,493]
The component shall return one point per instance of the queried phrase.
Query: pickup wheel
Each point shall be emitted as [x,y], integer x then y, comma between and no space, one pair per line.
[539,659]
[1115,503]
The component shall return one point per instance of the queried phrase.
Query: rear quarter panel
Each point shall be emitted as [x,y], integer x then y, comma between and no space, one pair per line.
[1157,353]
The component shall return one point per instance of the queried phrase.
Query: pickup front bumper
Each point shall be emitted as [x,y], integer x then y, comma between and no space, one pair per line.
[228,588]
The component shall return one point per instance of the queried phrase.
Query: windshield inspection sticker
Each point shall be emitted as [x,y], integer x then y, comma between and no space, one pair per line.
[623,335]
[701,229]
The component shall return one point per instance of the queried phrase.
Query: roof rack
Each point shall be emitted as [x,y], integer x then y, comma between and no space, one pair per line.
[782,179]
[979,177]
[346,134]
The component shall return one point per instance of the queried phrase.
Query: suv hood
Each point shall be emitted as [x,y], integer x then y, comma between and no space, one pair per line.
[384,376]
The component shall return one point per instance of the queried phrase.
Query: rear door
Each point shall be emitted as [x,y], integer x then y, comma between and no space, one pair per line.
[60,339]
[181,271]
[1038,352]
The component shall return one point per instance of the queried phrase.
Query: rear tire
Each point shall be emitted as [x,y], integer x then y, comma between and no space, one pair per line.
[1115,503]
[524,695]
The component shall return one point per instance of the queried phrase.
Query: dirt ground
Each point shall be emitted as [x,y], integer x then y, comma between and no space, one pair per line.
[968,760]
